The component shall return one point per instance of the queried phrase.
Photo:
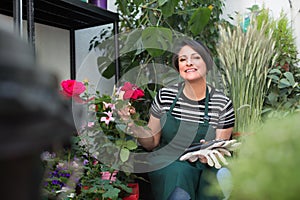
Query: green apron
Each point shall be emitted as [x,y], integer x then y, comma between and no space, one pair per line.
[196,178]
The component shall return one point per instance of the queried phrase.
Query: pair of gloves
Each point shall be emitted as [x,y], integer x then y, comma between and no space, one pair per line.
[213,153]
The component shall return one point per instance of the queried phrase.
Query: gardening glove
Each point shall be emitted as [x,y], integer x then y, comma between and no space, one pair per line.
[216,144]
[212,156]
[230,145]
[207,145]
[227,146]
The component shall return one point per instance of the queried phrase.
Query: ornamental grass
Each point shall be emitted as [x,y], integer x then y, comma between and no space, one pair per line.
[245,57]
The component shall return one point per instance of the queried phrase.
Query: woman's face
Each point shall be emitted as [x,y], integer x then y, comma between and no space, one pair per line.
[191,65]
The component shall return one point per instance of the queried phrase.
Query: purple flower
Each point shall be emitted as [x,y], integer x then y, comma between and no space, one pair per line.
[85,162]
[54,174]
[56,182]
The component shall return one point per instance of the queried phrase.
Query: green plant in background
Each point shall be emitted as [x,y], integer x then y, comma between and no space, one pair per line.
[245,58]
[148,30]
[152,28]
[267,165]
[283,96]
[197,18]
[283,93]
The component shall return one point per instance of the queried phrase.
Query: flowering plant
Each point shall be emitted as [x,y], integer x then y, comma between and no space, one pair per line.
[97,165]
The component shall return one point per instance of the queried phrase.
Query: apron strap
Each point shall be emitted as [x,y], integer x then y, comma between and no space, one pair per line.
[176,98]
[206,117]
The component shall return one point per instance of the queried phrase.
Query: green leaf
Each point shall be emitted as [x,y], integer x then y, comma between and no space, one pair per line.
[156,40]
[168,8]
[112,193]
[133,42]
[124,154]
[284,83]
[273,77]
[272,97]
[287,105]
[103,62]
[152,93]
[106,67]
[119,142]
[199,20]
[290,77]
[138,2]
[162,2]
[131,145]
[121,127]
[110,71]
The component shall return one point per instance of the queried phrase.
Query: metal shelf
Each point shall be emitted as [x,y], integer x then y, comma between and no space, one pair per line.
[67,14]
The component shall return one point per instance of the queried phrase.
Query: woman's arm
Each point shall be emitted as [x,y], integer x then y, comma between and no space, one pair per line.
[148,136]
[224,133]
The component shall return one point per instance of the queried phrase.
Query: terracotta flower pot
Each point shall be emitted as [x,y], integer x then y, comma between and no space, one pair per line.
[135,192]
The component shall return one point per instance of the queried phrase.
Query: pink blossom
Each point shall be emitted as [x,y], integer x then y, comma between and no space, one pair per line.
[91,124]
[109,105]
[108,118]
[109,176]
[132,91]
[72,88]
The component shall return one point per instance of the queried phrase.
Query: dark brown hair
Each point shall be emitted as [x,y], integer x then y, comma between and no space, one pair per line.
[198,46]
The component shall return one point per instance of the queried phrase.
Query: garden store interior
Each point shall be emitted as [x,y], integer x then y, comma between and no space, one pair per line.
[102,45]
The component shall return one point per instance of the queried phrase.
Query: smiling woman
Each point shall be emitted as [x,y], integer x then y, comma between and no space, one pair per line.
[191,64]
[182,114]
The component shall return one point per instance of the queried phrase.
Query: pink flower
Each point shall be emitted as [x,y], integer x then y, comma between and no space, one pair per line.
[109,176]
[72,88]
[95,162]
[108,118]
[109,105]
[132,91]
[91,124]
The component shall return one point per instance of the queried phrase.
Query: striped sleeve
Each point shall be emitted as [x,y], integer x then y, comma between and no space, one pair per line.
[226,117]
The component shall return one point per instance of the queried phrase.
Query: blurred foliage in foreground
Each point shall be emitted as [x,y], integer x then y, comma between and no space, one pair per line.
[267,165]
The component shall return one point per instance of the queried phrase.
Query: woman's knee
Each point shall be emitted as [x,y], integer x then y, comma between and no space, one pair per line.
[179,194]
[225,181]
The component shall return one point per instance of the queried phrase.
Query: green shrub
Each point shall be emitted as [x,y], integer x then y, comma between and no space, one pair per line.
[267,165]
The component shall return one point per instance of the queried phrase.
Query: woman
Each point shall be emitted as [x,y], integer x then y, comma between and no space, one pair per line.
[194,110]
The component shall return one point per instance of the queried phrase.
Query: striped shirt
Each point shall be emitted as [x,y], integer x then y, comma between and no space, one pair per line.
[220,108]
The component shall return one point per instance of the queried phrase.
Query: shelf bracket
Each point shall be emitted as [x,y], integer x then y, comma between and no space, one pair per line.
[30,24]
[17,14]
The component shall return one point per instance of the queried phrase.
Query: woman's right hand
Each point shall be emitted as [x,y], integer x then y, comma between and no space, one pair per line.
[125,114]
